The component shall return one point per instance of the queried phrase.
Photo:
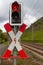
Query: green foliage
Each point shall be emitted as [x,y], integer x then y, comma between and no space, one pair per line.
[36,32]
[3,37]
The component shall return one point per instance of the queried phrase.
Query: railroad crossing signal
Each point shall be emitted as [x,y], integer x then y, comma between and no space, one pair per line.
[14,42]
[15,13]
[15,38]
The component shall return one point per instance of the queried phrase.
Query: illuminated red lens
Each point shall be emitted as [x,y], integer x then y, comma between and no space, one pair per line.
[15,7]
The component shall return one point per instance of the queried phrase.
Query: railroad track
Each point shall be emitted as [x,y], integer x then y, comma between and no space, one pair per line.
[38,46]
[35,50]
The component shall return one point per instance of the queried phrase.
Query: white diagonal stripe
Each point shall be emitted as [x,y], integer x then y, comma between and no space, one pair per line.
[11,34]
[11,46]
[18,46]
[18,35]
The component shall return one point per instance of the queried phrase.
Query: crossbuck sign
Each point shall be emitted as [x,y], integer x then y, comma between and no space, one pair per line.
[15,38]
[15,42]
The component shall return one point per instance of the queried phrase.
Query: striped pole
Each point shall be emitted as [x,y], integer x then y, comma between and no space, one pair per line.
[13,37]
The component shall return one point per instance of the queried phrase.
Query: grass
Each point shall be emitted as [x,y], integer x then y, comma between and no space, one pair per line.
[37,36]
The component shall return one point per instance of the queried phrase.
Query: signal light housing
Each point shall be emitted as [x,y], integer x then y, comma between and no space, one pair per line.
[15,13]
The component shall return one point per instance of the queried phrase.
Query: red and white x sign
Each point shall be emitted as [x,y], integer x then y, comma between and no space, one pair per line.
[14,41]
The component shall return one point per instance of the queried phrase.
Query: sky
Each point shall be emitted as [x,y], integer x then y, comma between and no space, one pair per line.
[31,8]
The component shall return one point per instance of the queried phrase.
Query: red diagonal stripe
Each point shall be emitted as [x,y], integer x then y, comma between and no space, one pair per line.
[8,27]
[22,28]
[6,54]
[22,54]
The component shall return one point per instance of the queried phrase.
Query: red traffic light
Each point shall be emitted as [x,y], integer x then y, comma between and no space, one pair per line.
[15,7]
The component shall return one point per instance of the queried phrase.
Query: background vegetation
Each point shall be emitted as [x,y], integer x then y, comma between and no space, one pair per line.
[3,37]
[34,33]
